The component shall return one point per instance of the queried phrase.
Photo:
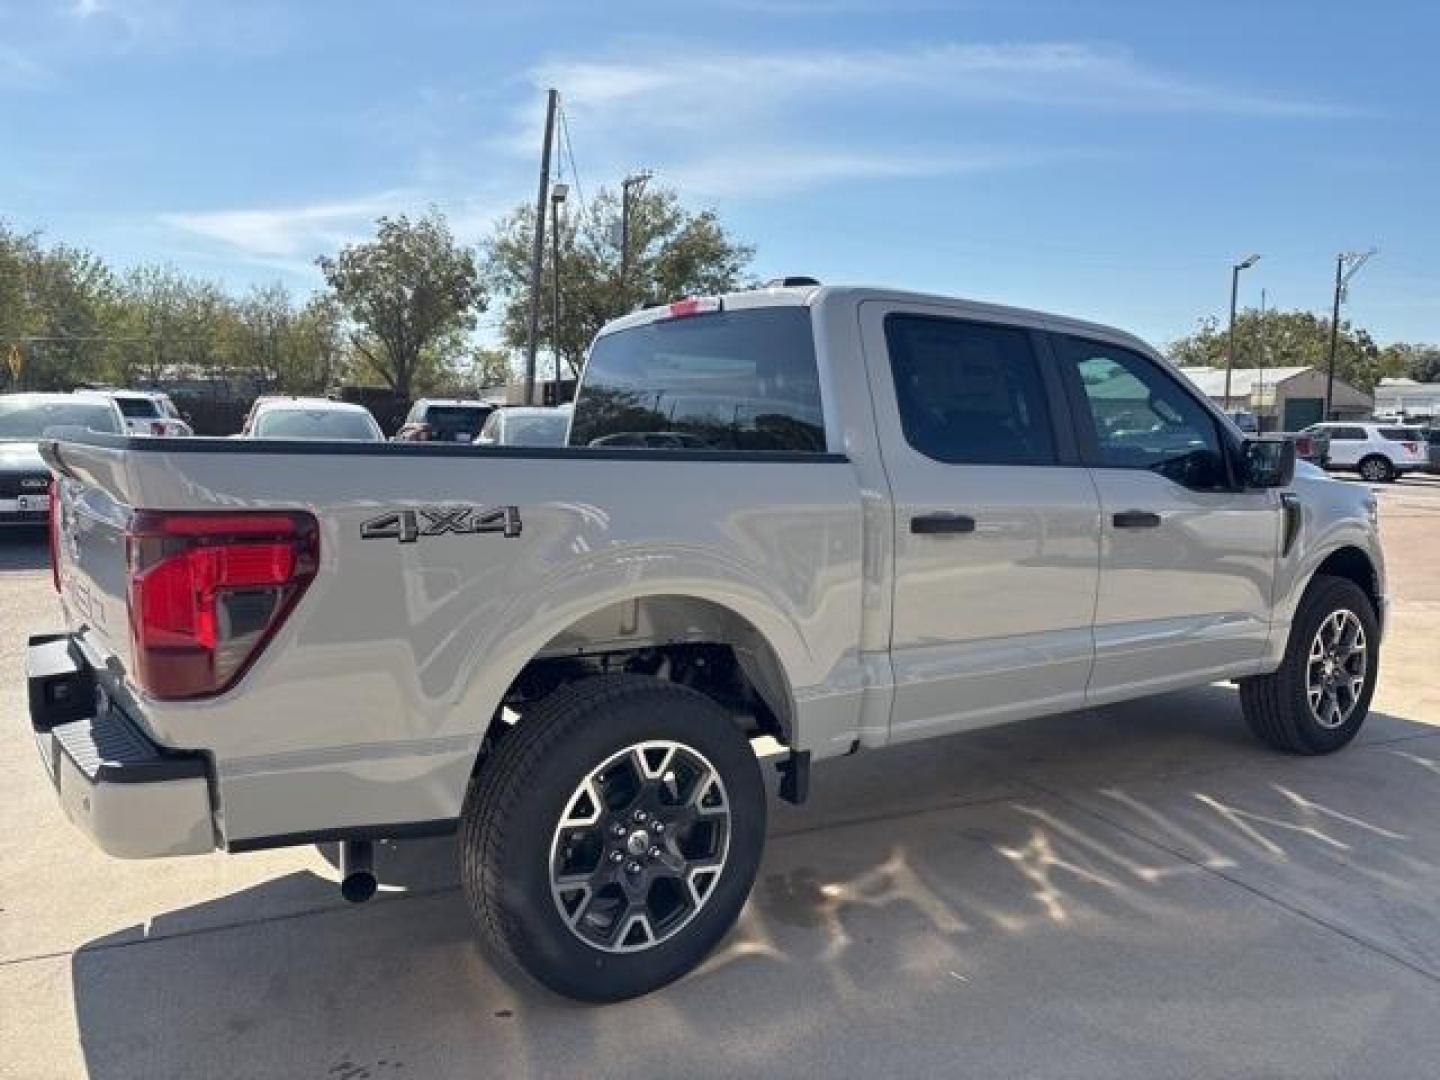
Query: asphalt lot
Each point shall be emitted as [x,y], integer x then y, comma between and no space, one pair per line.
[1134,891]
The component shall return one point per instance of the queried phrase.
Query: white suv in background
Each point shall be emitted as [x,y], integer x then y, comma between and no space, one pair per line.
[1378,452]
[146,412]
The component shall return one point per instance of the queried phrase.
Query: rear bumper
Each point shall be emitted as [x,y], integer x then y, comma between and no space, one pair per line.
[134,799]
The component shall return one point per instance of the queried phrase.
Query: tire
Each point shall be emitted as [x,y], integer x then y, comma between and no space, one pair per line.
[589,943]
[1377,469]
[1278,706]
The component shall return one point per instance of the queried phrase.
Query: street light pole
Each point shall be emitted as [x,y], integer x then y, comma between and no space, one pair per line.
[557,196]
[1243,264]
[1354,260]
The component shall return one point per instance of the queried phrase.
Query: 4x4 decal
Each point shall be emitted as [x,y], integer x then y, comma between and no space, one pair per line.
[407,526]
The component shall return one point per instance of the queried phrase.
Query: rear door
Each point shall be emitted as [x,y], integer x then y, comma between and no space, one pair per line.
[996,549]
[1347,444]
[1187,560]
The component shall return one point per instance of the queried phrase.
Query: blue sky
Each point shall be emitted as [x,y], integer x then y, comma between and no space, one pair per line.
[1108,160]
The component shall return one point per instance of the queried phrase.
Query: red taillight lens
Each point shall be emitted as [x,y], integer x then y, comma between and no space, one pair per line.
[157,427]
[208,591]
[694,305]
[53,526]
[1304,447]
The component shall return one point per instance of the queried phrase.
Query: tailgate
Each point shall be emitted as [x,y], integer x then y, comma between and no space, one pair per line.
[90,549]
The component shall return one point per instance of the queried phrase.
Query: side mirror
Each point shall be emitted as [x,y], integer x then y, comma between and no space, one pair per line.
[1267,463]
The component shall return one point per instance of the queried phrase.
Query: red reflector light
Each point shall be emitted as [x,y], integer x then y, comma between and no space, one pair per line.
[208,591]
[694,305]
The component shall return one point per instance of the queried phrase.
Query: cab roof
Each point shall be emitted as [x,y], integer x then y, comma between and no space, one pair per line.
[817,295]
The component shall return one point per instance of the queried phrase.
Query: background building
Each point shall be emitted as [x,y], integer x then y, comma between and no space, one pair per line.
[1408,398]
[1282,398]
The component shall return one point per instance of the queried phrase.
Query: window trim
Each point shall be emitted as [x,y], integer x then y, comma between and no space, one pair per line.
[1065,450]
[1084,420]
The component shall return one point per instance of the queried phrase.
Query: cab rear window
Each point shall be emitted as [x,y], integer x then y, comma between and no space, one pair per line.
[138,408]
[735,380]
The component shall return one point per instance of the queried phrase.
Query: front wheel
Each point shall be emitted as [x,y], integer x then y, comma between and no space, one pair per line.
[1377,469]
[611,839]
[1319,697]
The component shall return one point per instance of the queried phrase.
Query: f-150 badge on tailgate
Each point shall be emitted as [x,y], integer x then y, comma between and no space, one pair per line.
[407,526]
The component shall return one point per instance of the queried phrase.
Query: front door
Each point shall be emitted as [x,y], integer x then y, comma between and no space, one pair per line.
[996,542]
[1187,560]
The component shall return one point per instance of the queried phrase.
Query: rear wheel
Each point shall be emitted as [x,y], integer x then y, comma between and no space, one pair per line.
[1377,469]
[1319,697]
[610,841]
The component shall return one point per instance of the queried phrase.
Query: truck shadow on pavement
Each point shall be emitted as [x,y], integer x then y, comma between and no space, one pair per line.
[1021,896]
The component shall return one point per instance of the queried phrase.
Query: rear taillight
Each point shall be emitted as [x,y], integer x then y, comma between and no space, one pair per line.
[1412,447]
[53,527]
[208,591]
[157,427]
[1303,446]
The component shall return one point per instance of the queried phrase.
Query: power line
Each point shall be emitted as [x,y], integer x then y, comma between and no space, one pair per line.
[570,155]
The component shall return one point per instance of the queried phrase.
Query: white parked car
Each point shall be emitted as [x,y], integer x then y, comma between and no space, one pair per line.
[310,418]
[1378,452]
[146,412]
[525,426]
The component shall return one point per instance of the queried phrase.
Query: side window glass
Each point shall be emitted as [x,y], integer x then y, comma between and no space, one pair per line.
[1144,419]
[969,393]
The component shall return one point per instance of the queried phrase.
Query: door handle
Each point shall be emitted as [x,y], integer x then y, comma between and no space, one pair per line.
[943,522]
[1136,519]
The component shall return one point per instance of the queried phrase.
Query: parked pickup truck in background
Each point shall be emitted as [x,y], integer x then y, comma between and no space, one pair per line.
[843,518]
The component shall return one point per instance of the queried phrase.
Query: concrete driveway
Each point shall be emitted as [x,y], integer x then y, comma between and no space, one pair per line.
[1135,891]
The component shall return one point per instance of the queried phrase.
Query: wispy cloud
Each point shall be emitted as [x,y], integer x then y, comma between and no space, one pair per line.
[287,232]
[20,70]
[753,124]
[1056,75]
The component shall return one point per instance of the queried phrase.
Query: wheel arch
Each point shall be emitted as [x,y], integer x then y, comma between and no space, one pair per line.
[710,643]
[1353,564]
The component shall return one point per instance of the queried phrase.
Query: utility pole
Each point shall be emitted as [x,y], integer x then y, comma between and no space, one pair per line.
[556,198]
[1243,264]
[537,252]
[1354,260]
[1259,394]
[637,181]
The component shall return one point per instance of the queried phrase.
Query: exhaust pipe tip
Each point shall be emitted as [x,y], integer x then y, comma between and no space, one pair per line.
[357,874]
[358,887]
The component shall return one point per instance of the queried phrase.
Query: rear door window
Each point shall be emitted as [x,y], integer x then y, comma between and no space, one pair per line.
[1347,434]
[731,380]
[1400,434]
[969,393]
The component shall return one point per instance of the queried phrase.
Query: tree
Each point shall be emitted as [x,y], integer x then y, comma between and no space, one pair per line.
[490,367]
[1286,339]
[405,291]
[673,252]
[1418,362]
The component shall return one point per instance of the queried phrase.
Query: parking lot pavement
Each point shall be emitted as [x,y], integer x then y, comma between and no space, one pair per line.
[1133,891]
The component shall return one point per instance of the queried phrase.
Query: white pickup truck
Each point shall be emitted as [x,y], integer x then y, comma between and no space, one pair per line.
[842,518]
